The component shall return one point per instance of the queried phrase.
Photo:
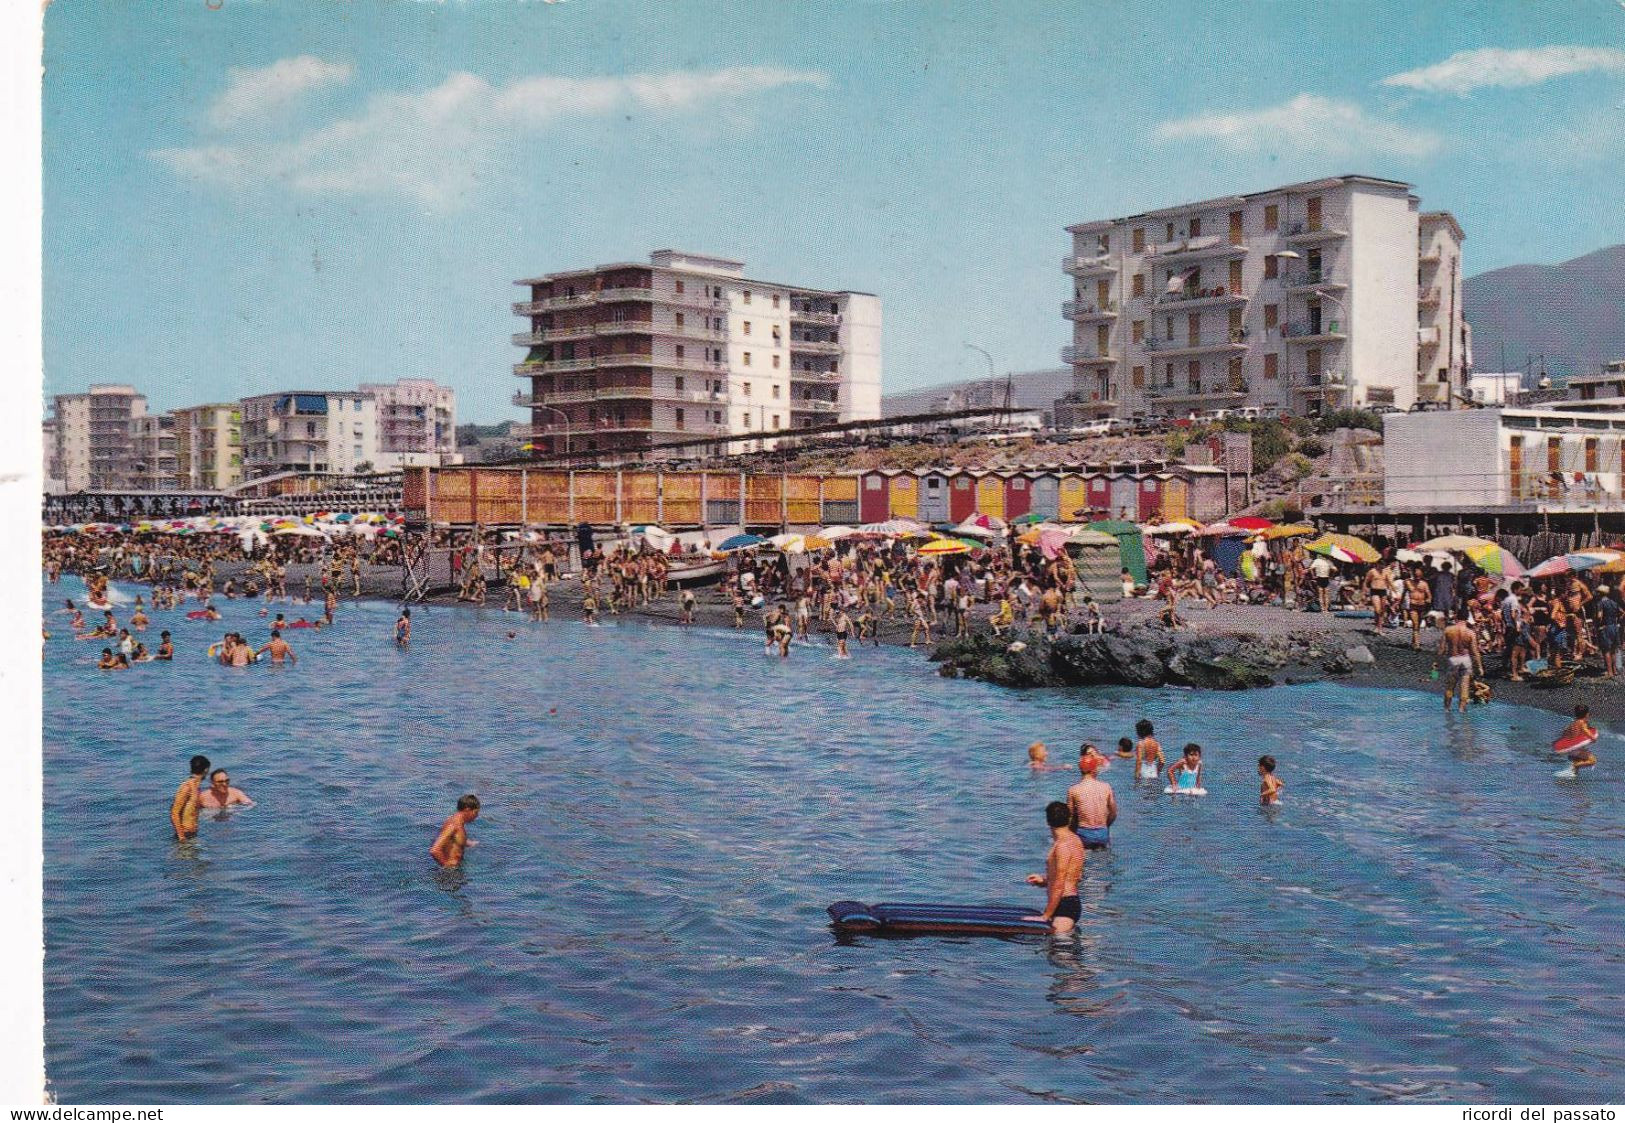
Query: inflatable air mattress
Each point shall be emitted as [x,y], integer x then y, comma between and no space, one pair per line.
[903,919]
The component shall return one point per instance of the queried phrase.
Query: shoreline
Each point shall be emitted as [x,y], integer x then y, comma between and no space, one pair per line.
[1395,667]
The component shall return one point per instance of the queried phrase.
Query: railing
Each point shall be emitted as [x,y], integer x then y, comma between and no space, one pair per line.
[554,303]
[715,335]
[1100,264]
[1229,339]
[814,375]
[1205,246]
[1320,379]
[704,397]
[1074,355]
[817,346]
[1219,295]
[815,405]
[1077,310]
[607,295]
[1427,337]
[811,317]
[1427,297]
[1303,278]
[1304,329]
[1315,230]
[553,366]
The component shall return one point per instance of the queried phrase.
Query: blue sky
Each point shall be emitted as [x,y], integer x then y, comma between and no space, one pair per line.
[271,196]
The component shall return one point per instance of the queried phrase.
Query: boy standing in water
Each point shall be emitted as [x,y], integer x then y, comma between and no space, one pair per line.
[1148,760]
[448,848]
[183,811]
[1269,785]
[1581,726]
[1062,872]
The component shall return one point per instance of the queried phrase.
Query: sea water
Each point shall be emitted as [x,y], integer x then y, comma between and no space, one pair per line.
[667,813]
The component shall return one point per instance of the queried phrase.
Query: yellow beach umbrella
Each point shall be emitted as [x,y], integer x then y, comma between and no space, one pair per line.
[1291,530]
[1344,547]
[941,547]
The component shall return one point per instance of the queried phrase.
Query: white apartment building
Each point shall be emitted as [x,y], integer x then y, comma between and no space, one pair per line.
[93,438]
[1561,458]
[627,356]
[152,463]
[209,446]
[51,467]
[417,423]
[1310,297]
[329,431]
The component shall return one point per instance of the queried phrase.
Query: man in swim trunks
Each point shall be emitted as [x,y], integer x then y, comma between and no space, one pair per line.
[279,649]
[453,840]
[1459,648]
[403,628]
[1092,803]
[1062,872]
[183,811]
[220,793]
[1580,727]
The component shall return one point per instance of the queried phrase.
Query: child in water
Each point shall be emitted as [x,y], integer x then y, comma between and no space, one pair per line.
[1038,758]
[1125,748]
[1186,774]
[1269,785]
[1581,726]
[1147,752]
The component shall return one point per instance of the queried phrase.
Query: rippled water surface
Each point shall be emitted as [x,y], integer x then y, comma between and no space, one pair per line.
[1430,916]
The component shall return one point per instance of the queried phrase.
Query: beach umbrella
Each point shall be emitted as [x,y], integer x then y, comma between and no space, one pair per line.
[1052,541]
[1221,530]
[819,542]
[1344,548]
[1576,562]
[1290,530]
[1252,522]
[893,528]
[1454,543]
[1493,559]
[836,533]
[1171,529]
[972,530]
[789,543]
[300,532]
[1027,519]
[940,547]
[1406,555]
[740,542]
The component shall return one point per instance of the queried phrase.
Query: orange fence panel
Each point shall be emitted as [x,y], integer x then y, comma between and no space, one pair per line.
[640,497]
[680,498]
[595,497]
[840,489]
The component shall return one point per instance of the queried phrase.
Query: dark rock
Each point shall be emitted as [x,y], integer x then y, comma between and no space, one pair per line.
[1337,665]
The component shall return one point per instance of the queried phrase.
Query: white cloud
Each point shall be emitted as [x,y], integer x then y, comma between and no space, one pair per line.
[251,93]
[1465,71]
[1308,123]
[436,144]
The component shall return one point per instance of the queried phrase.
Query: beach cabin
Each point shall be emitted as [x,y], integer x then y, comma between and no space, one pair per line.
[961,496]
[839,500]
[1074,497]
[990,494]
[874,501]
[904,496]
[1018,493]
[1205,493]
[1130,547]
[1125,497]
[1175,497]
[1150,493]
[933,497]
[1046,500]
[1098,559]
[1100,493]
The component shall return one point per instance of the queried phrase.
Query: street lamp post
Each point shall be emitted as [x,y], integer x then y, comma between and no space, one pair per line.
[566,416]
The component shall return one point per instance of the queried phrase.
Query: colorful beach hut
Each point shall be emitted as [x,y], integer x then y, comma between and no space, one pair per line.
[1074,497]
[1150,499]
[1125,497]
[1046,495]
[1175,497]
[934,497]
[1018,493]
[1100,491]
[961,496]
[990,494]
[1131,550]
[874,497]
[903,496]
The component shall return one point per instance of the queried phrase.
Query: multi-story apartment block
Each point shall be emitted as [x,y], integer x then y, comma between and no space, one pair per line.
[417,422]
[1309,297]
[52,465]
[209,446]
[93,437]
[627,356]
[152,465]
[332,431]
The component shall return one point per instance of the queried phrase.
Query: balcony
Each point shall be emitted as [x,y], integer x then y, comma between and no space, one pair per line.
[588,428]
[1312,279]
[1084,313]
[1188,346]
[1319,382]
[1302,233]
[1302,331]
[807,316]
[1427,298]
[1432,258]
[554,303]
[551,335]
[700,299]
[1199,394]
[1199,298]
[1433,391]
[609,296]
[1085,266]
[1196,249]
[674,331]
[1427,337]
[1076,357]
[1094,406]
[815,405]
[815,375]
[553,366]
[816,346]
[704,397]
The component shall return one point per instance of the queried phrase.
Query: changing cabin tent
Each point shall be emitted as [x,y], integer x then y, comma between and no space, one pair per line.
[933,497]
[1131,550]
[1098,558]
[1125,501]
[1150,492]
[1018,493]
[961,497]
[1073,499]
[990,494]
[1046,495]
[1175,497]
[904,501]
[874,503]
[1100,494]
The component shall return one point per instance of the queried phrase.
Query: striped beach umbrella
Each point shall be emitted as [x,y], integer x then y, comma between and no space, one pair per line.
[1344,548]
[1576,562]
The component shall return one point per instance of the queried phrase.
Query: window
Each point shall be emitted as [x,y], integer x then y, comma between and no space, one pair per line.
[1272,267]
[679,319]
[1272,316]
[1139,239]
[745,389]
[1591,454]
[775,388]
[746,359]
[678,383]
[1137,330]
[1170,232]
[679,417]
[1196,227]
[747,327]
[1272,365]
[744,421]
[775,362]
[1139,378]
[775,300]
[1139,284]
[679,286]
[872,483]
[1235,276]
[775,419]
[745,296]
[716,293]
[1235,228]
[1272,217]
[679,351]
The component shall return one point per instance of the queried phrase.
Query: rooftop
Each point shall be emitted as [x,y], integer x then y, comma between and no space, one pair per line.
[1304,188]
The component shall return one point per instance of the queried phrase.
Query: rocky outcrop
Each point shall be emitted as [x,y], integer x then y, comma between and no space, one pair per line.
[1144,655]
